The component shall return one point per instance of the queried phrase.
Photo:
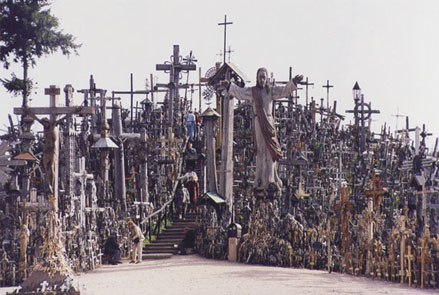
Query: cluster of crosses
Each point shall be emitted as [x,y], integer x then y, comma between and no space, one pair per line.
[349,201]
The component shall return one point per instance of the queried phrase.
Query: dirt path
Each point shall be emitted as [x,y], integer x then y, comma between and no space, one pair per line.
[196,275]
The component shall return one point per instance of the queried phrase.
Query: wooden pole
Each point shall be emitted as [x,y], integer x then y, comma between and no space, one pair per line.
[219,109]
[423,253]
[199,90]
[119,158]
[226,171]
[409,257]
[328,237]
[53,93]
[369,235]
[209,123]
[152,89]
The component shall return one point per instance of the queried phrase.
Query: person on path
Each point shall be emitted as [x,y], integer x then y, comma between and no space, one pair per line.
[137,239]
[112,249]
[190,125]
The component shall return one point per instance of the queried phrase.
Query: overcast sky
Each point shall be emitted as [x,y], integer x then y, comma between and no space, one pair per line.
[390,47]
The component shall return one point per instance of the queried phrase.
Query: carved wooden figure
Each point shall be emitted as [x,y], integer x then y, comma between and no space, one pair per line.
[24,242]
[51,144]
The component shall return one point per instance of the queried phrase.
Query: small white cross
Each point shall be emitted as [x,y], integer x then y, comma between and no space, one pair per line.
[44,285]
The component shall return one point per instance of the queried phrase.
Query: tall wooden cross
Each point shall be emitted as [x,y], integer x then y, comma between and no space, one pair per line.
[376,192]
[51,145]
[423,257]
[225,23]
[375,195]
[174,70]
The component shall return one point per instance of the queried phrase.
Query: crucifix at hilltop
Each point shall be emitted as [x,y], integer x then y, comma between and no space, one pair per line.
[51,139]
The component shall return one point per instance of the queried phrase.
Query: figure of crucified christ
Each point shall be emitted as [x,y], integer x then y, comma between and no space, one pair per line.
[50,151]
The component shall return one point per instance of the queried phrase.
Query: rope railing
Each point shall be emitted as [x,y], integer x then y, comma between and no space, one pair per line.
[167,205]
[164,205]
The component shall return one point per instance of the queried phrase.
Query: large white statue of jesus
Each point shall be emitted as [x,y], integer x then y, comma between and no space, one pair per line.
[267,144]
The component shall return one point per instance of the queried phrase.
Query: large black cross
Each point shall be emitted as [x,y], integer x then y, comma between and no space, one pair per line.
[225,23]
[424,134]
[174,70]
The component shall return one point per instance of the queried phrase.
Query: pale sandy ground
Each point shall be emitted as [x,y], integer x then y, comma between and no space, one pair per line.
[196,275]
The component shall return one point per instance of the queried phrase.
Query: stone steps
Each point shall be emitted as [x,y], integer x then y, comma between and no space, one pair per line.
[167,242]
[157,255]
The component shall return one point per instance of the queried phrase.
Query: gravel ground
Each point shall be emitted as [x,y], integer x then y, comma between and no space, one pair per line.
[194,275]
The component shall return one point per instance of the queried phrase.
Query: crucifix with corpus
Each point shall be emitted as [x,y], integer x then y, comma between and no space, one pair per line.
[51,139]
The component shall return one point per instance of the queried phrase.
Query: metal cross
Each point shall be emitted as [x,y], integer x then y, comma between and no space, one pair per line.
[92,92]
[225,23]
[362,112]
[220,54]
[188,60]
[397,117]
[327,86]
[229,52]
[306,83]
[424,134]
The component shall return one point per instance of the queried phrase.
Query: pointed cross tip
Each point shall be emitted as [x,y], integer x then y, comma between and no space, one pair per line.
[356,86]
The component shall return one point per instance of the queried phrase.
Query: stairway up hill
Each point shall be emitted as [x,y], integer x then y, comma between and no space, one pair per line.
[167,242]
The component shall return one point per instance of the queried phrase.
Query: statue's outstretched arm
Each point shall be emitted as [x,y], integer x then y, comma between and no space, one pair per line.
[283,91]
[244,93]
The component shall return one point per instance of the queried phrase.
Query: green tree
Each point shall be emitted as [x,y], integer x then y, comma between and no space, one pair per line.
[27,32]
